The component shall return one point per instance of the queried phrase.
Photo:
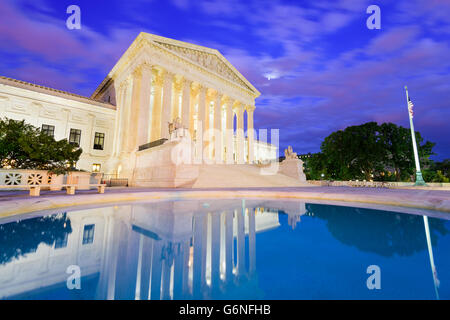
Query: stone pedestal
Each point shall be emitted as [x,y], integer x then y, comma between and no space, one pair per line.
[80,178]
[167,165]
[293,168]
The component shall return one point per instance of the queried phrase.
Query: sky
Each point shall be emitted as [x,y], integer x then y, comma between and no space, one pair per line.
[318,67]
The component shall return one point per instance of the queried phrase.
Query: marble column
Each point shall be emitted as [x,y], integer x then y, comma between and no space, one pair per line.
[186,103]
[121,89]
[218,148]
[192,111]
[207,138]
[250,134]
[126,116]
[134,110]
[177,89]
[144,105]
[201,117]
[157,109]
[240,133]
[168,78]
[229,133]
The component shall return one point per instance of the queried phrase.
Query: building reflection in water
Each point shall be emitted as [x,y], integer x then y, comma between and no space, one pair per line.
[162,250]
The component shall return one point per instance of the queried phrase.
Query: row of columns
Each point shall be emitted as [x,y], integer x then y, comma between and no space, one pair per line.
[195,267]
[150,100]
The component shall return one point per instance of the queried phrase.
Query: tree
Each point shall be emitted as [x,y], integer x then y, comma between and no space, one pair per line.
[368,151]
[23,146]
[397,144]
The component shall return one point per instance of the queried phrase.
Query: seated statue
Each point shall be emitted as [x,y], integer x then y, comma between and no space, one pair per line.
[289,154]
[176,124]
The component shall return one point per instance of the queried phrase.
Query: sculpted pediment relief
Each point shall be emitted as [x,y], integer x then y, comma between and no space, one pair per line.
[207,60]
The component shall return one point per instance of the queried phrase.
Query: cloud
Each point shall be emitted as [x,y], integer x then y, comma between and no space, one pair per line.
[326,70]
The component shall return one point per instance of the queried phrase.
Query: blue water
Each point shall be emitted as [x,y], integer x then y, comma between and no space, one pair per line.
[224,249]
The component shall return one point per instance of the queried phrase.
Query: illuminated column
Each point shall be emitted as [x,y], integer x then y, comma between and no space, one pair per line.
[126,115]
[166,105]
[240,133]
[241,240]
[251,242]
[134,109]
[192,112]
[126,285]
[218,149]
[186,103]
[144,105]
[121,116]
[215,250]
[250,134]
[105,288]
[207,140]
[157,110]
[146,259]
[201,117]
[155,283]
[228,246]
[186,257]
[167,270]
[199,263]
[176,112]
[178,271]
[229,131]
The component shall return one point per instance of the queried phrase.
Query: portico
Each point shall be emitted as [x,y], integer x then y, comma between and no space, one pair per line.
[160,80]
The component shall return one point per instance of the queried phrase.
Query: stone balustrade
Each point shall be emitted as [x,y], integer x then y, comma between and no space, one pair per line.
[372,184]
[26,178]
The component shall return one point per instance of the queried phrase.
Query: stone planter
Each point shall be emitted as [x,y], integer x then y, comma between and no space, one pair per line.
[56,182]
[82,179]
[97,178]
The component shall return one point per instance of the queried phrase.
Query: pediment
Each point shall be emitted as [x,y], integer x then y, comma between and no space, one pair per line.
[210,60]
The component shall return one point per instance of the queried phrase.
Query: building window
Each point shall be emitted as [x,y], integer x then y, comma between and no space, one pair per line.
[96,167]
[88,234]
[48,130]
[75,137]
[61,242]
[99,141]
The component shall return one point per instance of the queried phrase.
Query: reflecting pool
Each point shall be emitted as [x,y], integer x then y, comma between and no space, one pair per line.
[224,249]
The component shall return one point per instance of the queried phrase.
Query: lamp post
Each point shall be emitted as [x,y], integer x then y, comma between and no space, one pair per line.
[419,178]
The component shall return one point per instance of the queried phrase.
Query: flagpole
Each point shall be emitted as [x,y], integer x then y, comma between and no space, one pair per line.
[430,254]
[419,178]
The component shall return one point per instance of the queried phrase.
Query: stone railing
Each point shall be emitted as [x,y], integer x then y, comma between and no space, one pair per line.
[372,184]
[26,178]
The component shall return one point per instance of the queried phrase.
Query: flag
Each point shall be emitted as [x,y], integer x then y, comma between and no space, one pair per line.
[410,107]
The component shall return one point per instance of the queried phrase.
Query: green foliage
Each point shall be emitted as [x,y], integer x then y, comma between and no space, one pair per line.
[368,152]
[23,146]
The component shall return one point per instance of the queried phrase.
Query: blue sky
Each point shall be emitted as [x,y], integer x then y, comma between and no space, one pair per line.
[327,70]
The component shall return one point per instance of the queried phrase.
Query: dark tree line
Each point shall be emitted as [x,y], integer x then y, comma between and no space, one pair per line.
[21,237]
[370,152]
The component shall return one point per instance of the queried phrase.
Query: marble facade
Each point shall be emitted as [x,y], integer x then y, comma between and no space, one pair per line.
[156,82]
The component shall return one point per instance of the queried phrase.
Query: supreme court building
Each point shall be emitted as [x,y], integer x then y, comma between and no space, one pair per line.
[163,97]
